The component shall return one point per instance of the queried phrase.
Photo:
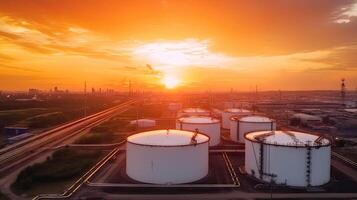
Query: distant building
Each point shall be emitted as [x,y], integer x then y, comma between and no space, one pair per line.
[305,119]
[350,104]
[17,138]
[11,131]
[300,105]
[58,92]
[351,110]
[33,92]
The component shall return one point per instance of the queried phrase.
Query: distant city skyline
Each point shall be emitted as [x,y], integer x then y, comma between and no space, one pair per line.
[178,45]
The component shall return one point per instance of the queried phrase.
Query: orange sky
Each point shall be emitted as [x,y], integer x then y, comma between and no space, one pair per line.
[216,45]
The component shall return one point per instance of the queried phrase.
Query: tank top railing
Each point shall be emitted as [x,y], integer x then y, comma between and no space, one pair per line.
[193,138]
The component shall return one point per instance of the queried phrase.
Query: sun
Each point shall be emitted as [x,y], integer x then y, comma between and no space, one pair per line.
[170,81]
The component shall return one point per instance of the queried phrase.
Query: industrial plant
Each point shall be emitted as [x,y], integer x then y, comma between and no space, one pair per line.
[178,99]
[242,125]
[230,112]
[167,156]
[206,125]
[197,145]
[288,158]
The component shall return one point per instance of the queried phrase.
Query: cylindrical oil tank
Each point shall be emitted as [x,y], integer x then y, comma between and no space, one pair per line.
[193,112]
[241,125]
[287,157]
[228,113]
[167,156]
[207,125]
[174,106]
[143,123]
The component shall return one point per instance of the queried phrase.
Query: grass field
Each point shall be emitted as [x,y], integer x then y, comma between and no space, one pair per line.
[18,117]
[41,115]
[3,197]
[111,131]
[12,117]
[348,152]
[144,111]
[56,173]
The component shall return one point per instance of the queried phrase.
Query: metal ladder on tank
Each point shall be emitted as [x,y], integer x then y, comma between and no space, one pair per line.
[308,164]
[238,131]
[261,160]
[292,136]
[261,164]
[193,138]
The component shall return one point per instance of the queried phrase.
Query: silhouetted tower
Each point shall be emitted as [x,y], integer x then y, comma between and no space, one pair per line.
[130,89]
[343,90]
[85,98]
[231,94]
[256,93]
[210,99]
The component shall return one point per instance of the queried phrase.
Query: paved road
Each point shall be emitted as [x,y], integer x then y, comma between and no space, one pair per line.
[342,167]
[112,168]
[6,181]
[228,196]
[34,152]
[52,138]
[18,149]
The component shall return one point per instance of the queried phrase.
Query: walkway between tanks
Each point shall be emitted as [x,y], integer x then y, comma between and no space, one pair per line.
[234,195]
[342,167]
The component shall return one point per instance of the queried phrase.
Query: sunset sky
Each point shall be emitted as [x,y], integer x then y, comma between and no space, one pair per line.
[197,45]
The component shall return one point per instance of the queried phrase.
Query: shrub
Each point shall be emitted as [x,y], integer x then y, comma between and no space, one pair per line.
[64,164]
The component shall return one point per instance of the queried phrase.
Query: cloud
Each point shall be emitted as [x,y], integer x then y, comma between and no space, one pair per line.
[9,35]
[71,40]
[259,28]
[332,68]
[4,57]
[18,68]
[139,70]
[259,41]
[335,59]
[171,55]
[346,13]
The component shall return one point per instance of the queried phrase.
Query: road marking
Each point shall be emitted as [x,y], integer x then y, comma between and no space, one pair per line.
[346,160]
[231,169]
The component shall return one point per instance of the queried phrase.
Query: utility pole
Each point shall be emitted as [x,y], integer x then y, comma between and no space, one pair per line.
[130,88]
[255,101]
[85,98]
[343,90]
[256,93]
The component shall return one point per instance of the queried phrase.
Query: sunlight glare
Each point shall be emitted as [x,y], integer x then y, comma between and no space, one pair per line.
[170,81]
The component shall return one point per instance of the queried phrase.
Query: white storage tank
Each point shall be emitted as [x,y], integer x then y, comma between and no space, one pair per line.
[288,157]
[229,104]
[174,106]
[143,123]
[167,156]
[306,119]
[242,125]
[193,112]
[207,125]
[228,113]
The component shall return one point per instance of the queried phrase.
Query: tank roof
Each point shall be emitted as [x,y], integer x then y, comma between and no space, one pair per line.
[286,138]
[197,110]
[237,110]
[198,120]
[143,120]
[255,118]
[168,138]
